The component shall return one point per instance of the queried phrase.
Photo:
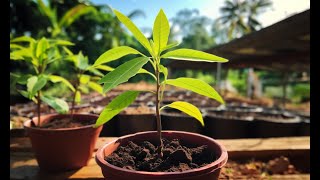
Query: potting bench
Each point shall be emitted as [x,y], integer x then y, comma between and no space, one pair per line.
[23,164]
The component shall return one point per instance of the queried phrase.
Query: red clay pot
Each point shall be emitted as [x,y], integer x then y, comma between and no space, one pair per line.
[208,172]
[63,149]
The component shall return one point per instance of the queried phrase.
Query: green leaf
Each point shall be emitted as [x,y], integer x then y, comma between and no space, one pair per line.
[172,45]
[24,93]
[74,13]
[82,62]
[20,54]
[23,39]
[42,46]
[84,79]
[192,55]
[55,79]
[143,71]
[164,70]
[59,105]
[197,86]
[78,97]
[67,51]
[122,73]
[161,31]
[23,79]
[61,42]
[35,84]
[133,28]
[187,108]
[95,71]
[116,106]
[16,46]
[114,54]
[104,67]
[95,86]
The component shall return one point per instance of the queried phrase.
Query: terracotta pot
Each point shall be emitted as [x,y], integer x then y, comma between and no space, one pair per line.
[172,119]
[210,171]
[63,149]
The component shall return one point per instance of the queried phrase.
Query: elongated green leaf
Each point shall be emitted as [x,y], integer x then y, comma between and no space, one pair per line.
[95,71]
[172,45]
[95,86]
[24,93]
[59,105]
[67,51]
[35,84]
[61,42]
[164,70]
[42,46]
[192,55]
[114,54]
[133,28]
[161,31]
[116,106]
[55,79]
[23,39]
[16,46]
[78,97]
[104,67]
[143,71]
[187,108]
[196,86]
[74,13]
[20,54]
[122,73]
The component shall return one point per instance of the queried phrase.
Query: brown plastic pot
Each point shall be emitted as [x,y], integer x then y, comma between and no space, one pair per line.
[210,171]
[62,149]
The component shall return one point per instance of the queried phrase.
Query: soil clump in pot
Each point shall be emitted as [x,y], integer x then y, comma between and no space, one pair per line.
[177,156]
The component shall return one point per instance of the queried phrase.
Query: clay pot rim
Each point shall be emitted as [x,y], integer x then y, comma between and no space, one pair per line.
[220,162]
[27,123]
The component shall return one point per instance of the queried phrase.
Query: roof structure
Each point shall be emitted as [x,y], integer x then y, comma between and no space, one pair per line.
[283,46]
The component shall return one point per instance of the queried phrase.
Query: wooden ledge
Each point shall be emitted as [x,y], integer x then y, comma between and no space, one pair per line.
[23,164]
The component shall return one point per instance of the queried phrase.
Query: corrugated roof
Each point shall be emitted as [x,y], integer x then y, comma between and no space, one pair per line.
[283,46]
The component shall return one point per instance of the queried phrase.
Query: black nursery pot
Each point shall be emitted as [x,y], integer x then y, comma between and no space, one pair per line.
[229,122]
[172,119]
[133,123]
[275,123]
[304,128]
[223,124]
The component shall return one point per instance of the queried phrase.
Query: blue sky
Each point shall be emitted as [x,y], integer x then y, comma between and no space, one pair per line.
[280,10]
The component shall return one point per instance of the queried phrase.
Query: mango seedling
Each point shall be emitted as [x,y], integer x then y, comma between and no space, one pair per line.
[39,54]
[158,49]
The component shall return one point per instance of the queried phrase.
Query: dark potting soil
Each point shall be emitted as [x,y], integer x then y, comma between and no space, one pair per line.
[66,123]
[177,156]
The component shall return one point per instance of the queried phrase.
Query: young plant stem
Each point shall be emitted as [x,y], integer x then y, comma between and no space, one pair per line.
[74,95]
[38,107]
[73,102]
[158,112]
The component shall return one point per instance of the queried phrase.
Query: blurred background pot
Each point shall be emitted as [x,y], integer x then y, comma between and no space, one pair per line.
[173,119]
[275,123]
[136,119]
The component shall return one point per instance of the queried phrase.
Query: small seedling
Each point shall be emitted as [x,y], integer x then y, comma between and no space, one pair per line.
[158,49]
[39,54]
